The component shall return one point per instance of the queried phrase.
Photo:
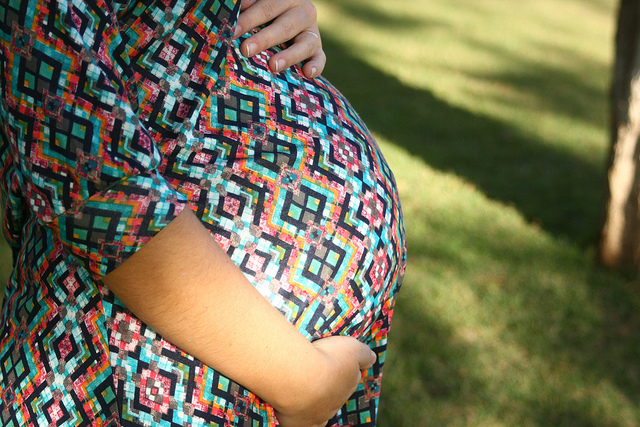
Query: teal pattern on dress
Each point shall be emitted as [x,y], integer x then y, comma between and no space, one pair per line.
[114,118]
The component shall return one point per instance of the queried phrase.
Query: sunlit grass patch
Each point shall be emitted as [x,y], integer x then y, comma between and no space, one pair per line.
[493,115]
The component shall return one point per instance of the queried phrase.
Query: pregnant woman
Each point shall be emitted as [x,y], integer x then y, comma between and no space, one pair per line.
[201,236]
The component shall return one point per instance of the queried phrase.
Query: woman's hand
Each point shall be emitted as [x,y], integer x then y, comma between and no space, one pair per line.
[293,20]
[343,358]
[185,287]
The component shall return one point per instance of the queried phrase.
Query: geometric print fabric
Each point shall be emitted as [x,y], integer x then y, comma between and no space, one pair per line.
[279,168]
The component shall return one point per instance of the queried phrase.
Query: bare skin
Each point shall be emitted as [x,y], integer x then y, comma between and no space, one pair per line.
[294,21]
[185,287]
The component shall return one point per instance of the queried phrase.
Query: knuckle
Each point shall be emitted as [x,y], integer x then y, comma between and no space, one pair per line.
[313,11]
[288,30]
[311,49]
[267,11]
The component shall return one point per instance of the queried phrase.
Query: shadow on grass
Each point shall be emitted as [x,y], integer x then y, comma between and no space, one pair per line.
[434,368]
[375,18]
[546,339]
[547,86]
[554,189]
[590,324]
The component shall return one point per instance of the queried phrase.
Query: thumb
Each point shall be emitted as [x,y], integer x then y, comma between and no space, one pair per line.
[349,347]
[366,357]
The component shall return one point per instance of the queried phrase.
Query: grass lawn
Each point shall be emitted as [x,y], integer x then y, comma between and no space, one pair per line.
[493,115]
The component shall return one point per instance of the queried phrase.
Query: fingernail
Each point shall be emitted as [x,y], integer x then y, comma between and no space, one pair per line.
[251,47]
[238,32]
[314,70]
[374,357]
[279,65]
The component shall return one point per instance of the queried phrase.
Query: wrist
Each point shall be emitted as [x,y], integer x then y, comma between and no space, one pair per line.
[306,379]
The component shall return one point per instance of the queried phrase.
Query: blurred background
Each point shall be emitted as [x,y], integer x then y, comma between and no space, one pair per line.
[494,116]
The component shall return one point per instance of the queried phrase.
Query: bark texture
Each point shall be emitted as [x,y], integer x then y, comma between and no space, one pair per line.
[620,238]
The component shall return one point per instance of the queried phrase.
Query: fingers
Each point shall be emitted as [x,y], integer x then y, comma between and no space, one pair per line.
[287,25]
[259,12]
[294,21]
[245,4]
[306,46]
[315,65]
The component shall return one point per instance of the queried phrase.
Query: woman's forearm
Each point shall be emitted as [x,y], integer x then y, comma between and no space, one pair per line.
[185,287]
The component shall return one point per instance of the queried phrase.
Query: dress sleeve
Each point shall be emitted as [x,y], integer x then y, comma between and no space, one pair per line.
[85,163]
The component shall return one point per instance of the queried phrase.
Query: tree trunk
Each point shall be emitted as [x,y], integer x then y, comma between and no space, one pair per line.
[620,238]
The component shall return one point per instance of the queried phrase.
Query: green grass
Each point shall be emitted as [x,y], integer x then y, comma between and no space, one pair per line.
[493,115]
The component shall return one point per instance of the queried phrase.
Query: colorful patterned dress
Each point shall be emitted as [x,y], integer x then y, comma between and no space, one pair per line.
[114,118]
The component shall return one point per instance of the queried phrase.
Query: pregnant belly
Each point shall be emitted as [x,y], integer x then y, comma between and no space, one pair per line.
[292,185]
